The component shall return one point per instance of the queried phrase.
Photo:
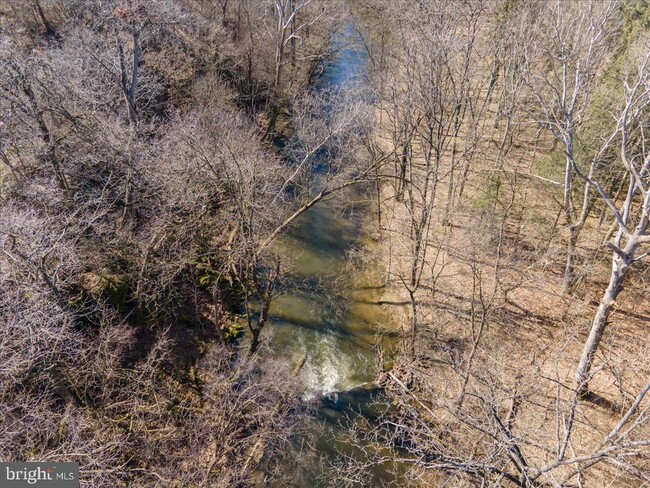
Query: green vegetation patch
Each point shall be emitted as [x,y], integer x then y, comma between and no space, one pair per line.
[111,287]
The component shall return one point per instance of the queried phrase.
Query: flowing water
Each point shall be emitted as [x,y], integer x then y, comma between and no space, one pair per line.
[324,320]
[329,319]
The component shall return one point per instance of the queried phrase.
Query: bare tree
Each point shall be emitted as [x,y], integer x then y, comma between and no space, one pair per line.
[434,107]
[561,70]
[326,151]
[632,214]
[106,241]
[289,27]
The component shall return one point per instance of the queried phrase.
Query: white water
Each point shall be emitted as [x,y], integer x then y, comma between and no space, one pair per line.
[333,362]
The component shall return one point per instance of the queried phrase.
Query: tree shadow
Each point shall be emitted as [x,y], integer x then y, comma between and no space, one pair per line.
[600,401]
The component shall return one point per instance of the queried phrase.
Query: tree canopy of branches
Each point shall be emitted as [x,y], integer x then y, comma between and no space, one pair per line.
[136,200]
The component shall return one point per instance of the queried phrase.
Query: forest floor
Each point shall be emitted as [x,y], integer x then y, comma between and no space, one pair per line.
[502,256]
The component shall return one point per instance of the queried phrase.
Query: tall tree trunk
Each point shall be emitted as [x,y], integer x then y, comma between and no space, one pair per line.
[133,116]
[129,87]
[401,173]
[567,204]
[292,6]
[264,314]
[620,267]
[414,323]
[569,267]
[46,135]
[255,340]
[275,92]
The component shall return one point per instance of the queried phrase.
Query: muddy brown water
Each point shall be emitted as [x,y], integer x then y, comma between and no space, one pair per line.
[332,320]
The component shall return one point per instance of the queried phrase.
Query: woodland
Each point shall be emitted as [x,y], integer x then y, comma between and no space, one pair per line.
[178,176]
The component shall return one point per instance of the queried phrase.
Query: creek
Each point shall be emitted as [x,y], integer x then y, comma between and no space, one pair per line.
[329,323]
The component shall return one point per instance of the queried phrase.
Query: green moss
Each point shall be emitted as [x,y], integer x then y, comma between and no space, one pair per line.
[208,272]
[110,287]
[232,332]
